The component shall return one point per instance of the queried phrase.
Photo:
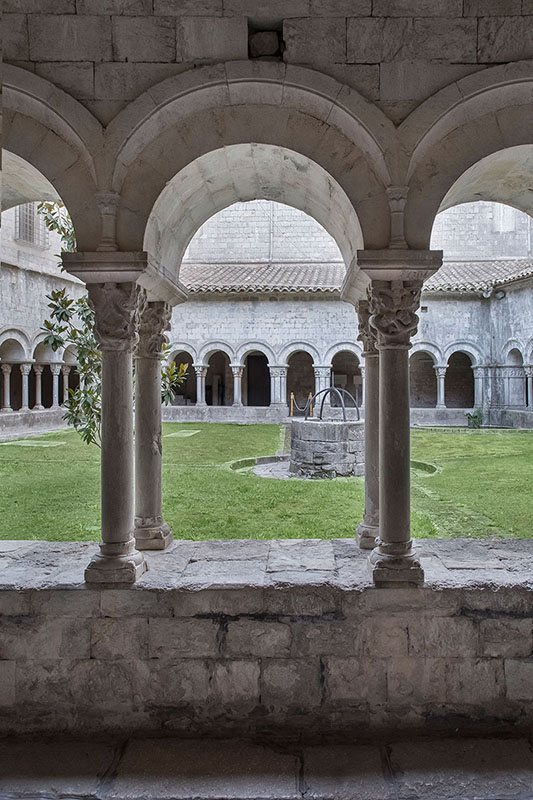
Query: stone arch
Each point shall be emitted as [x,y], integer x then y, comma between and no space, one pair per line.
[429,348]
[528,350]
[60,138]
[351,347]
[294,108]
[422,378]
[463,347]
[219,377]
[207,350]
[459,388]
[185,347]
[465,125]
[260,347]
[186,393]
[14,344]
[512,346]
[346,375]
[293,347]
[43,353]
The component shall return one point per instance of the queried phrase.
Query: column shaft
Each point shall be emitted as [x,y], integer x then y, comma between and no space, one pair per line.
[201,371]
[55,370]
[25,372]
[151,532]
[441,377]
[65,370]
[38,369]
[368,529]
[6,403]
[237,371]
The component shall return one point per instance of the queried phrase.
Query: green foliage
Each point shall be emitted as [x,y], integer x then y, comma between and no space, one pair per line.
[71,323]
[475,420]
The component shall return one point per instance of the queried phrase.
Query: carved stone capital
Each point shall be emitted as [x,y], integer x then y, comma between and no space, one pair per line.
[154,320]
[322,372]
[367,334]
[6,369]
[25,369]
[65,369]
[237,370]
[38,369]
[200,369]
[393,306]
[440,371]
[529,372]
[116,307]
[55,369]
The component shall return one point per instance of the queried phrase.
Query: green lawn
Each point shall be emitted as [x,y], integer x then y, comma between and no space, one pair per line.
[482,487]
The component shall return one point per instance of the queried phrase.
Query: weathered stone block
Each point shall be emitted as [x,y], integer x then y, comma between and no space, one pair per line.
[77,78]
[194,8]
[474,681]
[144,38]
[337,638]
[372,40]
[290,683]
[7,683]
[235,682]
[340,8]
[417,8]
[248,600]
[213,38]
[304,40]
[127,7]
[29,637]
[414,81]
[505,39]
[66,602]
[182,637]
[113,639]
[75,638]
[491,8]
[416,680]
[384,637]
[507,638]
[13,603]
[121,81]
[176,684]
[301,600]
[356,680]
[519,679]
[76,38]
[300,555]
[253,637]
[275,9]
[135,602]
[443,636]
[40,6]
[15,37]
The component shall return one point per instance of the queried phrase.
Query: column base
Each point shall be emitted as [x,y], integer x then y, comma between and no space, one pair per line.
[237,405]
[115,569]
[366,535]
[152,534]
[38,408]
[393,569]
[6,410]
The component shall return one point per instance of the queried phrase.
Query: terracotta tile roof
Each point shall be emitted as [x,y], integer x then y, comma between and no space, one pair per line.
[465,276]
[262,277]
[453,276]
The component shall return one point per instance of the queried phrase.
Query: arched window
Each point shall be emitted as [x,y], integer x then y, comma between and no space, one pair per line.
[459,381]
[186,392]
[300,377]
[256,380]
[219,380]
[422,381]
[346,374]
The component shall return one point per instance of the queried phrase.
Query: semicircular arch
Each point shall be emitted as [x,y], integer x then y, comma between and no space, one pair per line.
[463,347]
[299,346]
[430,349]
[182,347]
[22,352]
[254,347]
[343,347]
[207,350]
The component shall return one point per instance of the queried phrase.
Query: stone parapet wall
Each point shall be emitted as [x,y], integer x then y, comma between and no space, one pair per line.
[327,449]
[20,423]
[267,638]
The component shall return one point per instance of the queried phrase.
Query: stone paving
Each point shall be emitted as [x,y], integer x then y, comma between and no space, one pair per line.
[339,563]
[172,769]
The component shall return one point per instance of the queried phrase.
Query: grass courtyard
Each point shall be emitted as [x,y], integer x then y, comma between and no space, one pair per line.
[482,486]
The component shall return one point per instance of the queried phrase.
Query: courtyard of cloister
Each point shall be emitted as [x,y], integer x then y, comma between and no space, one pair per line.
[266,512]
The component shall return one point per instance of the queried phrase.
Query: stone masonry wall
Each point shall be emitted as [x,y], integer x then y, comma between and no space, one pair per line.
[327,449]
[267,638]
[395,52]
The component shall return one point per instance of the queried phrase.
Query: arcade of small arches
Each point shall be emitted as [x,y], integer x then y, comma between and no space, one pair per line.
[34,378]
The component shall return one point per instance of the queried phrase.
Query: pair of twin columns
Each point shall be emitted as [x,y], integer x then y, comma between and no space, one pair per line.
[126,322]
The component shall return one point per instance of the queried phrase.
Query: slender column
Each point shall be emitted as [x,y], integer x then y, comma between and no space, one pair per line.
[237,370]
[6,370]
[529,378]
[278,385]
[363,384]
[478,386]
[151,532]
[507,388]
[441,375]
[368,530]
[25,372]
[393,304]
[201,372]
[116,308]
[65,370]
[38,369]
[55,369]
[322,377]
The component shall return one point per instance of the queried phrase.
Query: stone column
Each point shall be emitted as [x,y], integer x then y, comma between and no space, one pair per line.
[529,378]
[322,378]
[363,384]
[478,386]
[65,371]
[237,371]
[116,308]
[393,305]
[151,532]
[25,371]
[6,404]
[441,397]
[278,385]
[201,372]
[38,369]
[368,530]
[55,369]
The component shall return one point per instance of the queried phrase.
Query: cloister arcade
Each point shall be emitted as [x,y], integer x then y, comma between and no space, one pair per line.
[138,190]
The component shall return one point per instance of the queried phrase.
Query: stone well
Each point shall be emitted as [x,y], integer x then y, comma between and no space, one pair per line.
[327,449]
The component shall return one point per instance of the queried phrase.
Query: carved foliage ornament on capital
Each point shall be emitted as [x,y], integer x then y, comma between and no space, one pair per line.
[393,306]
[367,334]
[154,320]
[116,307]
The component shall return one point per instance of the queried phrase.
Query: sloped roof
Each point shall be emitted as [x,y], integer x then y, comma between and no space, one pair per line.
[468,276]
[257,277]
[262,277]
